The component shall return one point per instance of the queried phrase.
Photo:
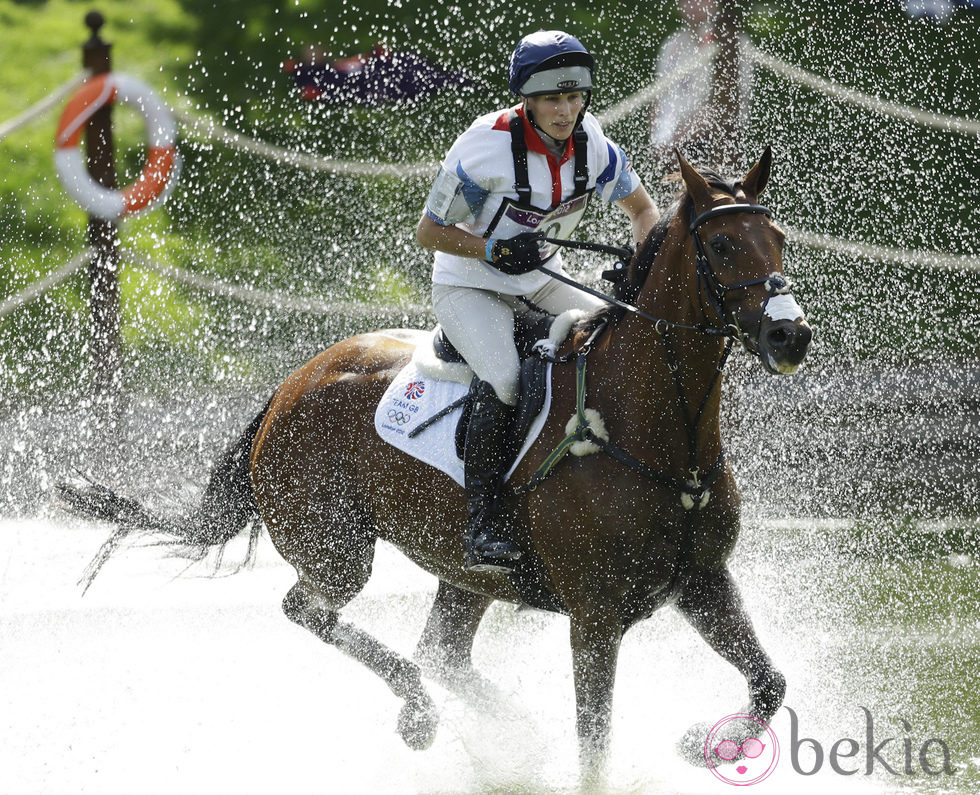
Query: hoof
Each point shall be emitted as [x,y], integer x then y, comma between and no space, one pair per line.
[737,729]
[417,723]
[691,745]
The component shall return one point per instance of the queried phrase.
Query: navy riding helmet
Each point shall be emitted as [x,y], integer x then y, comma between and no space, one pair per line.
[550,62]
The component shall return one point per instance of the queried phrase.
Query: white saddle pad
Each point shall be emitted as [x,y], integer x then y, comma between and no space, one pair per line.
[413,397]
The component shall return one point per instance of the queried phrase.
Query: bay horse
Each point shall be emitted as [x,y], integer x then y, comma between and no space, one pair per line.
[650,519]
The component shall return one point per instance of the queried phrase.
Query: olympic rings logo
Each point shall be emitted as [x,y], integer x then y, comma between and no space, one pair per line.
[399,417]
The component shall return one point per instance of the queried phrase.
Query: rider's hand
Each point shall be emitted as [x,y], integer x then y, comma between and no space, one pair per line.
[518,254]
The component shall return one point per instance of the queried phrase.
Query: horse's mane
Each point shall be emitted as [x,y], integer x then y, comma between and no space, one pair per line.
[627,289]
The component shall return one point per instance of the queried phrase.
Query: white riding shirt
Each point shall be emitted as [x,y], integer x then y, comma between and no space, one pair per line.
[475,190]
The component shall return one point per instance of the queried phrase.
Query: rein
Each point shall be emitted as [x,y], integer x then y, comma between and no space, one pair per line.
[695,491]
[659,323]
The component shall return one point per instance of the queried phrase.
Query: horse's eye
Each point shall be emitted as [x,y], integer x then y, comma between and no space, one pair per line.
[722,246]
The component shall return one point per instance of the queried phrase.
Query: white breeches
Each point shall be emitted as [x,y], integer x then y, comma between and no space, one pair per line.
[480,324]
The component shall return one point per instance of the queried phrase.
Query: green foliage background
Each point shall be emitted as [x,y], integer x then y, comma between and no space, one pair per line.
[838,170]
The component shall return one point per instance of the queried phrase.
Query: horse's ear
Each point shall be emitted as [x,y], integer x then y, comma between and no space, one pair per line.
[697,186]
[755,181]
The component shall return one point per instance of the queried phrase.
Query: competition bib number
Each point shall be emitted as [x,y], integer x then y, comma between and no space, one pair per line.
[513,218]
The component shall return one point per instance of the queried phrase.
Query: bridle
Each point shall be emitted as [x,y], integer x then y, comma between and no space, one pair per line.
[708,283]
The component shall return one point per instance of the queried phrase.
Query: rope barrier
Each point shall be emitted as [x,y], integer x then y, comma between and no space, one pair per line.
[900,256]
[861,100]
[286,302]
[42,107]
[268,299]
[34,290]
[204,127]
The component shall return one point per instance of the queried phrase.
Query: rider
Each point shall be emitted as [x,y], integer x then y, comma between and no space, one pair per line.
[514,177]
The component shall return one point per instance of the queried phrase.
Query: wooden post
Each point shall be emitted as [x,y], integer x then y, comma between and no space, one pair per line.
[726,86]
[103,235]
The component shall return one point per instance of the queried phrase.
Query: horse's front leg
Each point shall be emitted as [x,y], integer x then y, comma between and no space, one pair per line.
[595,651]
[444,649]
[712,603]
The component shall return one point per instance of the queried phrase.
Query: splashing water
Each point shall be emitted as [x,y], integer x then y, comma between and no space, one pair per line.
[858,559]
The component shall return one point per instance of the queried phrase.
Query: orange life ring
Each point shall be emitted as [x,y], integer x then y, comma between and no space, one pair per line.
[160,169]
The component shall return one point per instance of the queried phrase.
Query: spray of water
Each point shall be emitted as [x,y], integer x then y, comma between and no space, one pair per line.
[859,552]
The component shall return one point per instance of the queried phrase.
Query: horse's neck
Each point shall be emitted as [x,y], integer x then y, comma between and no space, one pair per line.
[639,359]
[670,290]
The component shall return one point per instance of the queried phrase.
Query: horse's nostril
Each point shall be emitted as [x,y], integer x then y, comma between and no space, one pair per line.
[777,337]
[788,339]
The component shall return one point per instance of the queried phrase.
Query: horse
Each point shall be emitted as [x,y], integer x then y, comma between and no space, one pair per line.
[650,518]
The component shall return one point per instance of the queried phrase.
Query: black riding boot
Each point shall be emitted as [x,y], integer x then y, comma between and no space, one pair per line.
[485,543]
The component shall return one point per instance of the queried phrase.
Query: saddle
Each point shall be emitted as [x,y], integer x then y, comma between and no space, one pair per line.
[433,385]
[535,333]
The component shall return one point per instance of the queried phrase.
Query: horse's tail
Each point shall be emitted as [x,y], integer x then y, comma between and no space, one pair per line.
[228,503]
[226,508]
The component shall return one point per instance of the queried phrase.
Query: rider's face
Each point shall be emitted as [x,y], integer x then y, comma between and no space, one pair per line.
[556,113]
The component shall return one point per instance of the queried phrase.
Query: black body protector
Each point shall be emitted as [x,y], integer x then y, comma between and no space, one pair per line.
[518,216]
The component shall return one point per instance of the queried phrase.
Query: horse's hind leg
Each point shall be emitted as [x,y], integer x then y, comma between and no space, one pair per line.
[331,543]
[447,640]
[417,720]
[712,604]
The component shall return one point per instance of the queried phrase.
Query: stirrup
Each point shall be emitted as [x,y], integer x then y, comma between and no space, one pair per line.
[501,559]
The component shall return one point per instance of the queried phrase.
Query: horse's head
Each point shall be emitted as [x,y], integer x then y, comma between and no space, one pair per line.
[739,256]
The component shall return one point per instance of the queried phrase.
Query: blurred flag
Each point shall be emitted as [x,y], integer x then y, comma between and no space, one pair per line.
[373,78]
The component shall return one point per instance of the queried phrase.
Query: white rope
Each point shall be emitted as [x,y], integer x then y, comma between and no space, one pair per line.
[861,100]
[42,107]
[283,301]
[932,259]
[32,291]
[270,300]
[208,128]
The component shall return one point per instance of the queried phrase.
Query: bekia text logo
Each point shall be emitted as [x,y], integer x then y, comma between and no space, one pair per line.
[847,756]
[742,750]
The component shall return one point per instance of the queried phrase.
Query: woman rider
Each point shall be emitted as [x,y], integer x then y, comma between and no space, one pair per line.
[514,177]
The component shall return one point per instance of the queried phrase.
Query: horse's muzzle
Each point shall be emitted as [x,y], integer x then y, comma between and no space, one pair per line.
[783,344]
